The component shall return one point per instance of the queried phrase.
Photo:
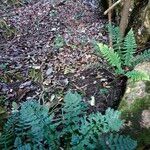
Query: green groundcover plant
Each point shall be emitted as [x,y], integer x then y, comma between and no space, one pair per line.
[121,56]
[35,127]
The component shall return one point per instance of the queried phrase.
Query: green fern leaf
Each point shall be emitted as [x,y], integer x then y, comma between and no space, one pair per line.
[136,75]
[117,142]
[145,56]
[33,117]
[96,124]
[111,56]
[113,119]
[73,109]
[116,38]
[28,125]
[8,134]
[129,48]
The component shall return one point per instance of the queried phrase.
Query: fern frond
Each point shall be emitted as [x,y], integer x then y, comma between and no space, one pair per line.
[33,117]
[8,134]
[117,142]
[136,75]
[73,109]
[129,48]
[145,56]
[19,145]
[116,38]
[113,120]
[111,56]
[96,124]
[29,125]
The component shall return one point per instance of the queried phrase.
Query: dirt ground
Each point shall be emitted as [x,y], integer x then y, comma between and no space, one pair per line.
[49,48]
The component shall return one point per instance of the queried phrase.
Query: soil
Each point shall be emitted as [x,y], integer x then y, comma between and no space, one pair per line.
[47,49]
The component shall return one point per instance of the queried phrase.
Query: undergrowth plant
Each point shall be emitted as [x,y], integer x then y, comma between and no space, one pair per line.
[121,55]
[34,127]
[7,29]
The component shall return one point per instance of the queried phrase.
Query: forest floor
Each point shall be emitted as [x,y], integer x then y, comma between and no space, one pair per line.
[47,49]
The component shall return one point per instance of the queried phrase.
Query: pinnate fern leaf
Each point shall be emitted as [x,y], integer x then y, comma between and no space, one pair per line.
[136,75]
[113,119]
[116,38]
[96,124]
[111,56]
[129,48]
[145,56]
[30,118]
[117,142]
[73,107]
[28,124]
[8,135]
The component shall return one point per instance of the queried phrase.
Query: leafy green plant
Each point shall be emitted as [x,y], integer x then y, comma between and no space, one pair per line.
[36,75]
[34,127]
[7,29]
[59,42]
[121,56]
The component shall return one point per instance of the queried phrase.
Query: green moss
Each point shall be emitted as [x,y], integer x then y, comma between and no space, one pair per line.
[147,87]
[123,104]
[135,108]
[133,113]
[123,107]
[140,104]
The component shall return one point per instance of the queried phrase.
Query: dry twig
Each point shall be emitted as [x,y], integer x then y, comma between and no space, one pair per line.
[112,6]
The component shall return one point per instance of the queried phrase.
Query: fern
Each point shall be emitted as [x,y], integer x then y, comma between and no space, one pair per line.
[72,110]
[117,142]
[129,48]
[96,124]
[41,119]
[73,107]
[124,58]
[136,75]
[111,56]
[116,38]
[8,135]
[145,56]
[28,125]
[33,128]
[19,146]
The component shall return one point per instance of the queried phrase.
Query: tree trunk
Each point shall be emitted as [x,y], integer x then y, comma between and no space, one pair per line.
[125,16]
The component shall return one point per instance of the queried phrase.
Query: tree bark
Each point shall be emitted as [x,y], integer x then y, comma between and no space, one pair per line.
[125,16]
[109,19]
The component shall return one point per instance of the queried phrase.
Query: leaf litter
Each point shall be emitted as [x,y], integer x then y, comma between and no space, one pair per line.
[52,51]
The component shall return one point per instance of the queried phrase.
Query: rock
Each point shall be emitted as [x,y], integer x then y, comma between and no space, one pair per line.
[144,30]
[140,20]
[145,119]
[135,108]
